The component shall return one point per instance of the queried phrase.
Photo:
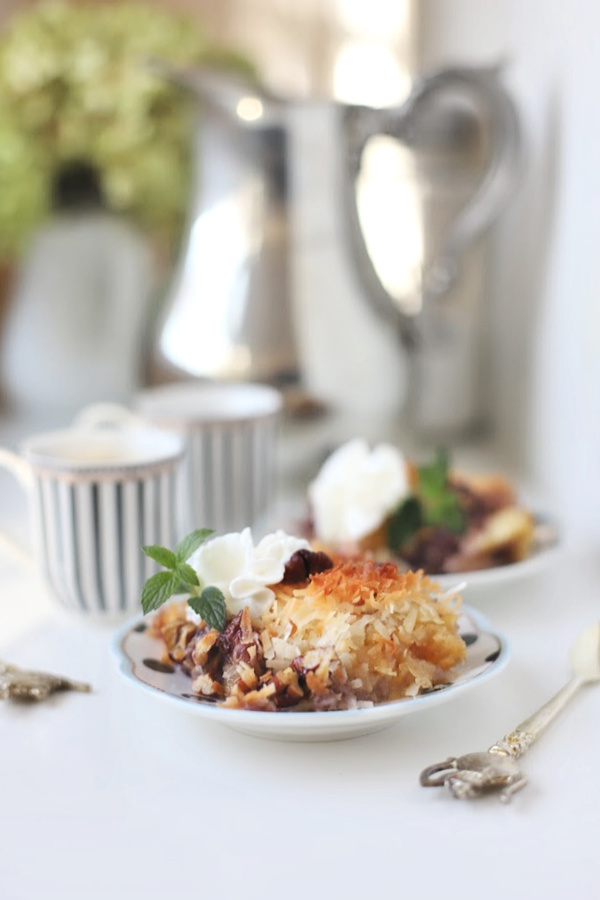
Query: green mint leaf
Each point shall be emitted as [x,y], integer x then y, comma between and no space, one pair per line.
[161,555]
[210,605]
[440,505]
[189,544]
[433,477]
[158,589]
[404,522]
[182,588]
[187,574]
[446,511]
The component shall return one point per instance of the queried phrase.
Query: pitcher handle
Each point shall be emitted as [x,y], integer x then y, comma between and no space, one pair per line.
[21,470]
[494,189]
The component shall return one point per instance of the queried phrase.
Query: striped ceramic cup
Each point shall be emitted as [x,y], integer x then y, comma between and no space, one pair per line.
[97,496]
[231,443]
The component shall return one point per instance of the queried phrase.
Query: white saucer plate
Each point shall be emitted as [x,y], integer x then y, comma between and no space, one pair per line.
[546,542]
[139,656]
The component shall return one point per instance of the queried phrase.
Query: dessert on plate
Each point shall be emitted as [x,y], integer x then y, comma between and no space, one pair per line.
[376,504]
[278,625]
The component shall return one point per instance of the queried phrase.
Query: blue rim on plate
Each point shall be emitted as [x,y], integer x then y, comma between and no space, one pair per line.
[139,657]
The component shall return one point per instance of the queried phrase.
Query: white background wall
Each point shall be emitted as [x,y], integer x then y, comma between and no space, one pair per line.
[545,304]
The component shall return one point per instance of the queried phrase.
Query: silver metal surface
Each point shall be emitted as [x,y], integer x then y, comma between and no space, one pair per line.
[475,774]
[442,118]
[25,686]
[496,769]
[280,228]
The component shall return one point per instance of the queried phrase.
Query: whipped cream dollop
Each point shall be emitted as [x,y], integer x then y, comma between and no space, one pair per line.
[356,489]
[243,571]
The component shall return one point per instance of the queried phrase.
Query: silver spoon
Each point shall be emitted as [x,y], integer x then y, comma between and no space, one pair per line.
[496,769]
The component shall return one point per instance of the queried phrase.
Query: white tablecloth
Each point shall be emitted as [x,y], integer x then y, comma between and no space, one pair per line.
[115,795]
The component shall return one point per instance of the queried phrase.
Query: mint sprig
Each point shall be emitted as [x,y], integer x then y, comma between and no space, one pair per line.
[158,589]
[179,577]
[433,503]
[404,522]
[210,605]
[190,544]
[440,504]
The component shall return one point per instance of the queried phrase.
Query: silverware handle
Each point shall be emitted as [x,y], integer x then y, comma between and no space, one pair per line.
[527,733]
[77,685]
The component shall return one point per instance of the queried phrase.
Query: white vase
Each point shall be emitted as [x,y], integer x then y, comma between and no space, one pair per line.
[74,329]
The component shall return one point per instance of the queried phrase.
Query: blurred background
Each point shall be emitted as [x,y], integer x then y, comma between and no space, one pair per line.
[388,209]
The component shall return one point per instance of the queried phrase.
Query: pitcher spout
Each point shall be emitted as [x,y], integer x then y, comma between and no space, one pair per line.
[235,94]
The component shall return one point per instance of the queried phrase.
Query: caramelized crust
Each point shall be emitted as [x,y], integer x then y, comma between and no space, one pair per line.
[356,634]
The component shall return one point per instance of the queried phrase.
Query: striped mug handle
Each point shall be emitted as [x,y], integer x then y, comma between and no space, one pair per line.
[17,466]
[108,415]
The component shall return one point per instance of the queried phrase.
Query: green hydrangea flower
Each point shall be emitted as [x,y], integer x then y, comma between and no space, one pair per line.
[73,84]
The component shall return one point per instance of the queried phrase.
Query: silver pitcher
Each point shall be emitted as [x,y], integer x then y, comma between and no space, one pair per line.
[340,246]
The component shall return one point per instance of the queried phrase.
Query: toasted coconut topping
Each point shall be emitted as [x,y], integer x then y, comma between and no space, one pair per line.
[358,633]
